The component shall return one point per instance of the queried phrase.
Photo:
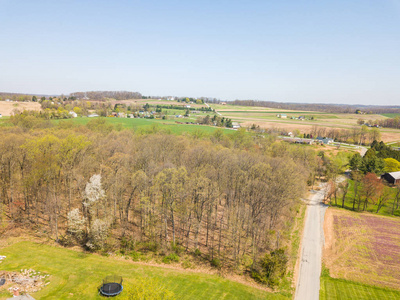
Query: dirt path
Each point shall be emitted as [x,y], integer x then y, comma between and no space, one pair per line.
[310,260]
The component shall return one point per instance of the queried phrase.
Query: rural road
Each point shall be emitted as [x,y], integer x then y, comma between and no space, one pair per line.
[308,281]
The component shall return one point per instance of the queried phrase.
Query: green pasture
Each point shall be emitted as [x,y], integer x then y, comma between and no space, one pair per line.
[334,289]
[169,126]
[77,275]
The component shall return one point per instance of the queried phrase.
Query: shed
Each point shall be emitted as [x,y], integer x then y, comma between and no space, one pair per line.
[393,177]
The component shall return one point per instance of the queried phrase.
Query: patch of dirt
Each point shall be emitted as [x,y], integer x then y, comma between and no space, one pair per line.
[362,247]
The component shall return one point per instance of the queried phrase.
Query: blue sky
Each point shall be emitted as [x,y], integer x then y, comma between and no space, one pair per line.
[293,51]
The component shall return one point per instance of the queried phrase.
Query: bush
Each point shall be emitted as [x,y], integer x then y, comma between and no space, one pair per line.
[215,262]
[197,252]
[173,257]
[135,256]
[271,268]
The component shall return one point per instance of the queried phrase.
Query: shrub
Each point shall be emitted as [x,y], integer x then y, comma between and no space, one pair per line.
[135,256]
[173,257]
[215,262]
[197,252]
[271,268]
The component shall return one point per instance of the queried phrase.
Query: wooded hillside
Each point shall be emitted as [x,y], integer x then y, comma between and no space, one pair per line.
[228,196]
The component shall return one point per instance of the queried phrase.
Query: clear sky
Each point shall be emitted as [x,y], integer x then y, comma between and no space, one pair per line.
[338,51]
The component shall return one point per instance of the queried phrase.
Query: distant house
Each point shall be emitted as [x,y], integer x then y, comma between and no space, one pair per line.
[93,115]
[223,103]
[324,140]
[282,116]
[121,115]
[131,116]
[235,125]
[393,177]
[170,98]
[187,106]
[73,114]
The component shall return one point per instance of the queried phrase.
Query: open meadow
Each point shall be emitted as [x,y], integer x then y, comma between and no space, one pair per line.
[76,275]
[362,247]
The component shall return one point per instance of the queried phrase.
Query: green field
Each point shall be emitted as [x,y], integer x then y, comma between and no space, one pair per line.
[333,289]
[152,124]
[76,275]
[391,115]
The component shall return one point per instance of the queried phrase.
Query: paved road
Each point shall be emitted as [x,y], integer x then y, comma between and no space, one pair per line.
[308,281]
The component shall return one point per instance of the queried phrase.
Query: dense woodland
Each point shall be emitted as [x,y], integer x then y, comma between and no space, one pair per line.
[225,197]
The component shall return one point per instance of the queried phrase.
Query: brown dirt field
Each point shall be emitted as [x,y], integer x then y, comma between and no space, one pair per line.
[6,108]
[362,247]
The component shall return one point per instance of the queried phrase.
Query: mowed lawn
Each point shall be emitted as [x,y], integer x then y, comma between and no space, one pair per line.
[76,275]
[334,289]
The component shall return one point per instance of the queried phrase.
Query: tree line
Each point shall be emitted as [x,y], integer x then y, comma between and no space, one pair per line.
[104,95]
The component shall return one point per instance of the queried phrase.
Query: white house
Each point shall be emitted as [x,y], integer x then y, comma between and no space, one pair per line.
[73,114]
[235,125]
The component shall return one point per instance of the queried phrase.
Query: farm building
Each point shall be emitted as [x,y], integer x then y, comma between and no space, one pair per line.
[235,125]
[393,177]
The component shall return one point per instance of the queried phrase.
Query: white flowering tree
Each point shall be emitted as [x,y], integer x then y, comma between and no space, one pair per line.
[98,234]
[93,191]
[92,197]
[76,223]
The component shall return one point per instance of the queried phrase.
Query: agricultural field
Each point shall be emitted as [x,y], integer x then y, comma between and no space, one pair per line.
[267,118]
[76,275]
[6,108]
[363,248]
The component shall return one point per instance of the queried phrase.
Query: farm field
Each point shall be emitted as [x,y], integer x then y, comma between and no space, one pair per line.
[76,275]
[267,118]
[6,108]
[362,247]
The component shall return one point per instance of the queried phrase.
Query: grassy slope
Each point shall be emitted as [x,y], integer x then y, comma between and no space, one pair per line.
[76,275]
[332,288]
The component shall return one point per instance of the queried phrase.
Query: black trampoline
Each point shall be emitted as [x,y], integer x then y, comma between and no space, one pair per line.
[112,286]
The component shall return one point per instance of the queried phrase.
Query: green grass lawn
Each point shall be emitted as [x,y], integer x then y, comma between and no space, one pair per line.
[334,289]
[76,275]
